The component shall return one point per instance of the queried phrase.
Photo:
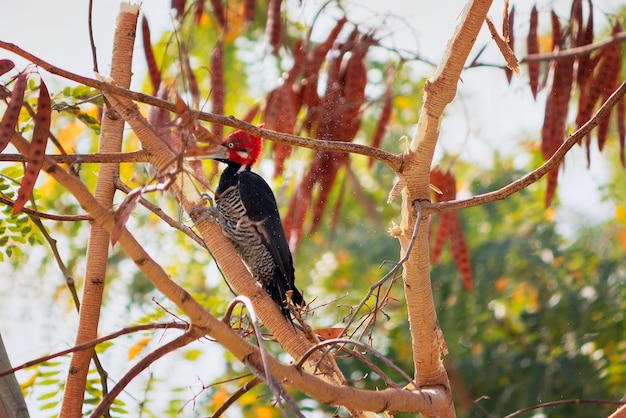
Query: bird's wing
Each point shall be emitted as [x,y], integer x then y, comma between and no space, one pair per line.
[260,203]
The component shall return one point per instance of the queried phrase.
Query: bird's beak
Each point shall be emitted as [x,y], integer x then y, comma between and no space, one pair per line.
[213,152]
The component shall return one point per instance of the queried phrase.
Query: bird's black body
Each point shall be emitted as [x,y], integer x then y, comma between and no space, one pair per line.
[249,217]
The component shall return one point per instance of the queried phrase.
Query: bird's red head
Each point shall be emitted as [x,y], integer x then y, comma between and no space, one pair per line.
[243,148]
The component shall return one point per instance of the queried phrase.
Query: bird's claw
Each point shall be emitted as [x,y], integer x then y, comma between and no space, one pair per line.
[204,213]
[208,198]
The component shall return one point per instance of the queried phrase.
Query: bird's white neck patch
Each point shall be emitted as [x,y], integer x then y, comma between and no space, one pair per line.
[241,169]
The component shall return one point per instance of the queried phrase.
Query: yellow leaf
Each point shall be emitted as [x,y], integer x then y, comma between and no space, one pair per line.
[30,382]
[67,136]
[219,398]
[138,348]
[550,214]
[264,412]
[620,214]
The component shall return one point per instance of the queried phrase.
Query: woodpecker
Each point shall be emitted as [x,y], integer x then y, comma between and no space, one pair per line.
[249,217]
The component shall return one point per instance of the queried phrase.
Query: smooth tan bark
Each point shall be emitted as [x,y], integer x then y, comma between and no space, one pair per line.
[112,132]
[427,338]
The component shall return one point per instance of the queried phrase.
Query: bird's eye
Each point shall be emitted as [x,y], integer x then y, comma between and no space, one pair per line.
[231,145]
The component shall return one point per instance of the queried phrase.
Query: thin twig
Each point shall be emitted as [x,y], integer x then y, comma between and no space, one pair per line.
[571,52]
[94,56]
[43,215]
[389,363]
[158,211]
[370,366]
[236,395]
[562,54]
[390,273]
[277,389]
[92,343]
[535,175]
[334,341]
[69,280]
[140,156]
[565,402]
[188,337]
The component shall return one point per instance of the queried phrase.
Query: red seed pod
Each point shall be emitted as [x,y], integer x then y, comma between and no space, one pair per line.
[611,68]
[153,68]
[281,116]
[198,10]
[316,58]
[217,84]
[385,114]
[293,222]
[326,173]
[36,154]
[621,128]
[6,66]
[450,228]
[248,11]
[179,7]
[532,45]
[555,118]
[273,29]
[585,64]
[460,254]
[551,179]
[590,93]
[576,23]
[12,112]
[219,12]
[438,179]
[557,33]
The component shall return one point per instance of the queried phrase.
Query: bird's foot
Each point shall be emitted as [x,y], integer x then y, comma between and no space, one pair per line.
[204,213]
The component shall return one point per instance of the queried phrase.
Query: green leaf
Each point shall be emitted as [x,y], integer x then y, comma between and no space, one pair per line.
[49,405]
[48,396]
[192,355]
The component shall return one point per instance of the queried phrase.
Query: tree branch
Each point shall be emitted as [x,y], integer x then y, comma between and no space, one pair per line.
[536,174]
[190,336]
[95,342]
[140,156]
[428,345]
[111,136]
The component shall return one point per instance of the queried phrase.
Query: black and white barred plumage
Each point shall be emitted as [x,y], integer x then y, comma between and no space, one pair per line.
[249,217]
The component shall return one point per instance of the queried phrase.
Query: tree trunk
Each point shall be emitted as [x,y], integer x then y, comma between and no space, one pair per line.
[98,247]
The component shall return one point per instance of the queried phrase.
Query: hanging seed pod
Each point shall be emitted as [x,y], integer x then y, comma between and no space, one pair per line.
[385,114]
[198,10]
[219,12]
[621,128]
[12,112]
[153,69]
[37,151]
[6,66]
[249,9]
[610,69]
[532,45]
[179,7]
[217,85]
[273,29]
